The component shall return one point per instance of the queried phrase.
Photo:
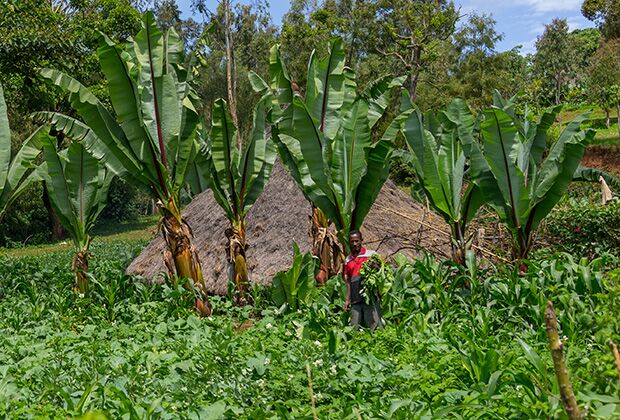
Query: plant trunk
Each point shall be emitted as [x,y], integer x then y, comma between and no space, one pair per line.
[607,118]
[231,71]
[618,116]
[58,232]
[459,247]
[80,268]
[237,258]
[324,246]
[520,250]
[561,371]
[415,74]
[181,258]
[614,351]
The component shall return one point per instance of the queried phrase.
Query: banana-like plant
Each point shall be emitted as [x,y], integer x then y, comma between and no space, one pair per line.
[18,173]
[149,139]
[237,175]
[438,145]
[78,189]
[518,177]
[325,138]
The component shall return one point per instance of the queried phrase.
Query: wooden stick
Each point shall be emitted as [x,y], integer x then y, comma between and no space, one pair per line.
[561,371]
[311,389]
[433,228]
[614,350]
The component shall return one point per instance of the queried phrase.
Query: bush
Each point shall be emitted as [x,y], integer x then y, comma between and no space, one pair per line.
[583,228]
[26,221]
[125,202]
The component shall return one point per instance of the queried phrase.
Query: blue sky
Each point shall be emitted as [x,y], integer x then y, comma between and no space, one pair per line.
[521,21]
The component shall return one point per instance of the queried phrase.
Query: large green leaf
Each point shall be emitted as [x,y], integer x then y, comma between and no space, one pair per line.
[20,172]
[224,153]
[58,189]
[377,171]
[5,141]
[324,90]
[350,148]
[78,131]
[263,161]
[583,173]
[111,138]
[501,149]
[78,185]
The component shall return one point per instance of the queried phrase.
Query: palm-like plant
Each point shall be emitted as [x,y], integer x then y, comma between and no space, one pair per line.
[518,177]
[18,173]
[438,145]
[149,139]
[325,138]
[237,175]
[78,189]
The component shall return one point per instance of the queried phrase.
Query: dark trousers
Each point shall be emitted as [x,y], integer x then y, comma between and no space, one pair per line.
[366,315]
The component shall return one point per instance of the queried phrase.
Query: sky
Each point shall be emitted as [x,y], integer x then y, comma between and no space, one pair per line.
[521,21]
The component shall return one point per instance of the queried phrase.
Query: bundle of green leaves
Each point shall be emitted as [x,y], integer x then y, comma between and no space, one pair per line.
[377,278]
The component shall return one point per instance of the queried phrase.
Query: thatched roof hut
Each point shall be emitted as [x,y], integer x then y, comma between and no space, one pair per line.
[396,223]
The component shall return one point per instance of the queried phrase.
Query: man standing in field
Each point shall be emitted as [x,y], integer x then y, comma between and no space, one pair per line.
[362,313]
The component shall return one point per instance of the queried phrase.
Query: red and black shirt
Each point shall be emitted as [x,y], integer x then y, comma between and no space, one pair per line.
[352,268]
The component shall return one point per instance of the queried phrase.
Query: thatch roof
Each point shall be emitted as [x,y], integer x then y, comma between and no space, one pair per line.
[279,217]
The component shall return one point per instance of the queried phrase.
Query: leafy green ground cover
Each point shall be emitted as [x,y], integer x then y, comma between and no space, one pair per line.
[448,351]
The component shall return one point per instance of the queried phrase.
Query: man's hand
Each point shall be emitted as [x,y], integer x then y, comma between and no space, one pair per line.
[347,305]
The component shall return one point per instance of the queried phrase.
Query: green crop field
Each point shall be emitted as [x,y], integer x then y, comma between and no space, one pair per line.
[132,350]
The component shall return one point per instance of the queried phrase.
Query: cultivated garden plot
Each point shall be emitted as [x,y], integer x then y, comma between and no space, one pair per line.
[367,212]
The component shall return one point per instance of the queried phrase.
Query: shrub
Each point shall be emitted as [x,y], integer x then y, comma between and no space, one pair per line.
[583,228]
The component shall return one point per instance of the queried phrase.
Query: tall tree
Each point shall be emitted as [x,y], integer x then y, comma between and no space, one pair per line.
[606,14]
[251,33]
[552,68]
[411,31]
[604,78]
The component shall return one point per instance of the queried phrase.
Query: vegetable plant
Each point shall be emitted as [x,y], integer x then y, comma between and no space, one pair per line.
[149,138]
[17,173]
[237,173]
[519,177]
[78,189]
[438,145]
[325,138]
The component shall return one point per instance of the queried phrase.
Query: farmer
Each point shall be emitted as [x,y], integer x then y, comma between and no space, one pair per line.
[362,313]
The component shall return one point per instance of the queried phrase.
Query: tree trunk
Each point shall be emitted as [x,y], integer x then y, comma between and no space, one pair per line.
[561,371]
[618,116]
[607,118]
[181,257]
[58,232]
[325,247]
[415,72]
[237,247]
[80,268]
[231,71]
